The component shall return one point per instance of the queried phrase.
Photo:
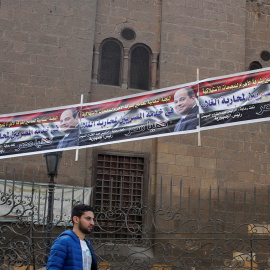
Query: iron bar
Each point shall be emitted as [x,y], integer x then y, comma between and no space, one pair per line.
[255,202]
[111,193]
[49,224]
[45,208]
[171,195]
[226,210]
[38,212]
[132,192]
[245,205]
[142,191]
[5,185]
[160,203]
[234,207]
[102,194]
[72,199]
[121,191]
[218,210]
[189,200]
[180,197]
[199,203]
[268,205]
[251,254]
[22,183]
[62,202]
[210,201]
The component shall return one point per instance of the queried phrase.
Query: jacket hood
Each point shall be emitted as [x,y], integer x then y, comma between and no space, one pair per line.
[69,233]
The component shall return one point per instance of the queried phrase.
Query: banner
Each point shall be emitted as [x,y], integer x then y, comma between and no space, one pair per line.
[217,102]
[235,99]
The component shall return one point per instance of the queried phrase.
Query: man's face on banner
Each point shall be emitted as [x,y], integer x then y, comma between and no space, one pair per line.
[67,121]
[183,103]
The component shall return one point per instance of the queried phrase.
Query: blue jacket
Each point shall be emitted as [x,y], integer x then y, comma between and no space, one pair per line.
[66,253]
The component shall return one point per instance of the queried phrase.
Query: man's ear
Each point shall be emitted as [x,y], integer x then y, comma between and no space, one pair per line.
[75,219]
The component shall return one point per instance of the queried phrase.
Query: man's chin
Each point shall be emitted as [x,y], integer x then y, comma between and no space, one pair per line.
[181,112]
[86,231]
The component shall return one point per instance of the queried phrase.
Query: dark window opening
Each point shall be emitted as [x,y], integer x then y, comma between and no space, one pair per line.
[255,65]
[128,34]
[110,63]
[265,55]
[140,68]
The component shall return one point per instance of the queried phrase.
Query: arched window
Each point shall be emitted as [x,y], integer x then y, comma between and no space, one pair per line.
[255,65]
[110,62]
[139,72]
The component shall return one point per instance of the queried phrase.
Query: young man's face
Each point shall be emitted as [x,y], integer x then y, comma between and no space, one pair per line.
[182,102]
[67,121]
[86,222]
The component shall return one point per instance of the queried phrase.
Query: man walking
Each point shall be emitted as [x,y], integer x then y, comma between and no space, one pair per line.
[71,251]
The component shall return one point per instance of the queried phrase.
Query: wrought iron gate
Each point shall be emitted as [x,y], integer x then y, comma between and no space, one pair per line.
[174,227]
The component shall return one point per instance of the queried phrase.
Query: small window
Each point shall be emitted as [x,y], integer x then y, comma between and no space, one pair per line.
[255,65]
[120,186]
[110,63]
[265,55]
[140,68]
[128,34]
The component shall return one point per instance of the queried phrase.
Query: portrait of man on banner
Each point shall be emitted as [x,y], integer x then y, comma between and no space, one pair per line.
[69,126]
[185,105]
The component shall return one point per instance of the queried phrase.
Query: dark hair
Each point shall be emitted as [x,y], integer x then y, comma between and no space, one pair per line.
[189,92]
[74,112]
[79,209]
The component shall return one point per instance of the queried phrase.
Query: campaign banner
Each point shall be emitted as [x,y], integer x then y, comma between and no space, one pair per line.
[211,103]
[37,131]
[235,99]
[132,118]
[146,115]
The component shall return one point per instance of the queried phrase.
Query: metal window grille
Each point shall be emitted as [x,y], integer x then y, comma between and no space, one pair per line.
[110,64]
[119,188]
[140,68]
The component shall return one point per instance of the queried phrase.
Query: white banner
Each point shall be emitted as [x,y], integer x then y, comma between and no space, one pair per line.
[29,201]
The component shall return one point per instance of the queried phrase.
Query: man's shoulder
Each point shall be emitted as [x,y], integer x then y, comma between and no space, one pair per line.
[66,236]
[194,110]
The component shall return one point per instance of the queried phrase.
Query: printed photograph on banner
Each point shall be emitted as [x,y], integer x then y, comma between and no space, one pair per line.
[186,106]
[39,131]
[235,99]
[70,127]
[143,116]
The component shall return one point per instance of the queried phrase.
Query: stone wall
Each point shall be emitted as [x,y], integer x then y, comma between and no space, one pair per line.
[257,31]
[209,35]
[46,59]
[46,50]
